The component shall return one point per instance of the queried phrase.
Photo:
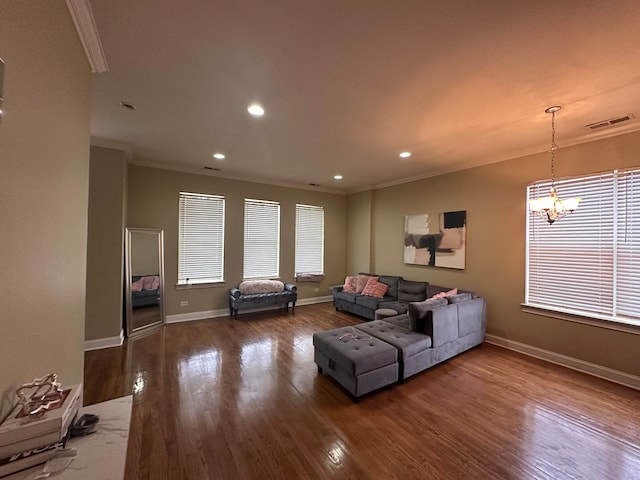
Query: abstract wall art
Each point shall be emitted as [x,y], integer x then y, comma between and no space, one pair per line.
[437,240]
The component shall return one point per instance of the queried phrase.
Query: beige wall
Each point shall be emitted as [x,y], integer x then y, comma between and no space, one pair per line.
[44,175]
[494,198]
[153,203]
[105,243]
[359,232]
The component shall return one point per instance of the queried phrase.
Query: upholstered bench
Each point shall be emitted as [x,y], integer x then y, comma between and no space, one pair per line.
[258,294]
[359,362]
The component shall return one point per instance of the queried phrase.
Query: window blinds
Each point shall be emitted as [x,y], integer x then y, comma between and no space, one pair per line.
[200,238]
[309,239]
[261,239]
[587,262]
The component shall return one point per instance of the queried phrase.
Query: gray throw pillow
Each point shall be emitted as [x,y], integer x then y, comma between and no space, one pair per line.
[392,282]
[410,291]
[418,312]
[460,297]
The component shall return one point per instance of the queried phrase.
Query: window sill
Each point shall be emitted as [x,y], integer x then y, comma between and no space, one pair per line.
[192,286]
[620,325]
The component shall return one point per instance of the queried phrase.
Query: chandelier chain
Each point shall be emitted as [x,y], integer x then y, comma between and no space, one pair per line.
[553,148]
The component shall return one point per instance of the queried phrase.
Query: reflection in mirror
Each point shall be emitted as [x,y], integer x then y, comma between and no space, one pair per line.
[144,279]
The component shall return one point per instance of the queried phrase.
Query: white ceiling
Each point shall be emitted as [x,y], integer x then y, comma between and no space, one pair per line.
[349,84]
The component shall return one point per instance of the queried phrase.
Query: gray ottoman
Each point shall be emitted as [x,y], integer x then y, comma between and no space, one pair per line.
[382,313]
[359,362]
[414,349]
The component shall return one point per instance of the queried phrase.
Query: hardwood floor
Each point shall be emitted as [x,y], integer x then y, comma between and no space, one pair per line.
[241,399]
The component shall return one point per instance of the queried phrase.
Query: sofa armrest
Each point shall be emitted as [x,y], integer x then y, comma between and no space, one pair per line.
[235,293]
[290,287]
[336,288]
[442,324]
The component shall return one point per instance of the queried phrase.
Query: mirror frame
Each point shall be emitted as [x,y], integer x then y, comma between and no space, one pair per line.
[129,303]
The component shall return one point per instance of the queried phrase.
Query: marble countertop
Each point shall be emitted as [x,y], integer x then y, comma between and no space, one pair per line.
[101,455]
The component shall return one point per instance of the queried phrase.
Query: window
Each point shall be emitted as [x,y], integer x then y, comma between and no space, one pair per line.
[588,263]
[261,239]
[309,239]
[200,238]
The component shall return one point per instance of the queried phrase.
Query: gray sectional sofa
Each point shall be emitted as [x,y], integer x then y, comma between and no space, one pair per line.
[431,332]
[400,294]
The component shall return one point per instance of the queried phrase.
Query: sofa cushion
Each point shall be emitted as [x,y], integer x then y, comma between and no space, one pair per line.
[392,281]
[362,282]
[410,291]
[471,316]
[250,287]
[400,321]
[137,285]
[369,302]
[420,309]
[373,288]
[350,284]
[397,306]
[346,296]
[460,297]
[418,312]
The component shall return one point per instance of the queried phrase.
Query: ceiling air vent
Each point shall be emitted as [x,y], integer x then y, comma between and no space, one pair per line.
[609,123]
[213,168]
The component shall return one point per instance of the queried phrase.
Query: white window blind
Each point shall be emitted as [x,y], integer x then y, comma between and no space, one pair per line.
[261,239]
[309,239]
[200,238]
[588,262]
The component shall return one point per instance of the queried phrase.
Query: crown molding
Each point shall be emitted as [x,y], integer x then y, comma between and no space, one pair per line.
[236,176]
[85,24]
[101,142]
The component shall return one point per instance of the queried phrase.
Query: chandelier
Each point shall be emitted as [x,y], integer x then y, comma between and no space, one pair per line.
[551,208]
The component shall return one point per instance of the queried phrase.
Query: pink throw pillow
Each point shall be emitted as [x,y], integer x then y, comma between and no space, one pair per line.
[373,288]
[137,285]
[453,291]
[350,284]
[362,282]
[149,282]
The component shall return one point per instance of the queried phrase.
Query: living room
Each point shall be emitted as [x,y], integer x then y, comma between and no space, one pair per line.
[53,310]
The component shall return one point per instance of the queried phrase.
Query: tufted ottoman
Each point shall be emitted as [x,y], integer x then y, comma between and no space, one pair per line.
[359,362]
[414,349]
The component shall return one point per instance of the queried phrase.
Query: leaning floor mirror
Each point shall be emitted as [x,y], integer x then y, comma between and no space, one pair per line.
[144,279]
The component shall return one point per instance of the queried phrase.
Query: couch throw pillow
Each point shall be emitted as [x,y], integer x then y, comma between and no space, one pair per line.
[137,285]
[251,287]
[460,297]
[373,288]
[453,291]
[151,282]
[350,284]
[362,282]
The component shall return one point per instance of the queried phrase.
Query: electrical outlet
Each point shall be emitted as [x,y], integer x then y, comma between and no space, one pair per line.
[315,289]
[184,303]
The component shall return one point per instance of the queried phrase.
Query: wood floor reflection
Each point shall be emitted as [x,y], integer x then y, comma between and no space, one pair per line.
[241,399]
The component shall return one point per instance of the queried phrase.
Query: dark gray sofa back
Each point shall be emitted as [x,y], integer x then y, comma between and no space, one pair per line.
[410,291]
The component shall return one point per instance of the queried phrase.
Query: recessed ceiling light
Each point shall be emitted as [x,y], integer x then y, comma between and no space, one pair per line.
[127,105]
[338,177]
[256,110]
[219,156]
[405,154]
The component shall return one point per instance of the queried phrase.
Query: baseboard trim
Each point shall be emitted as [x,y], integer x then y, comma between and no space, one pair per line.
[596,370]
[100,343]
[188,317]
[191,316]
[314,300]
